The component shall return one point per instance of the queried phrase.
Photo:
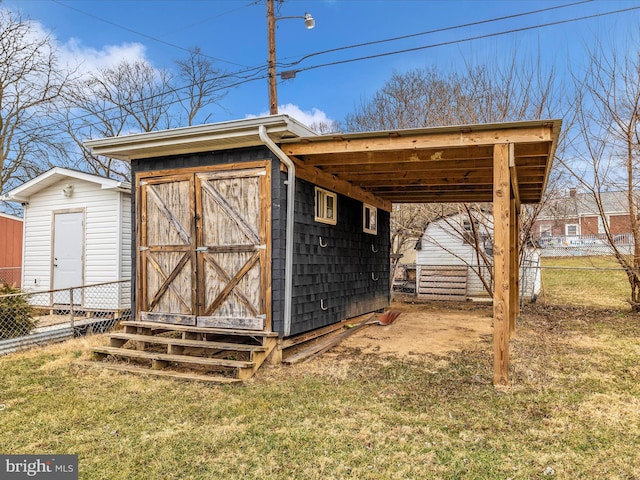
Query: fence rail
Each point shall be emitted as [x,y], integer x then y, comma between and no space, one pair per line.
[595,281]
[36,317]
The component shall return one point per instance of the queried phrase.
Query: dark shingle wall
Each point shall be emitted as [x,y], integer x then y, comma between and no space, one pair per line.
[348,277]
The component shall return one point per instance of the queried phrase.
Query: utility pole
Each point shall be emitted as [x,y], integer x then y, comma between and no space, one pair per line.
[271,29]
[309,22]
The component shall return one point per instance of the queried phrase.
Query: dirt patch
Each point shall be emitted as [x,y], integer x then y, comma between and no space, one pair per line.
[425,329]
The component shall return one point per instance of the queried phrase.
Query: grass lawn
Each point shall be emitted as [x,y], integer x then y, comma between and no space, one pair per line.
[590,281]
[572,412]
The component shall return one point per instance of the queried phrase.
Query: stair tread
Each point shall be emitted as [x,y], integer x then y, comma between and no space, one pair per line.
[188,343]
[165,373]
[127,352]
[187,328]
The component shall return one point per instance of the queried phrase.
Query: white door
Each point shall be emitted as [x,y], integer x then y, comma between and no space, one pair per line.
[68,247]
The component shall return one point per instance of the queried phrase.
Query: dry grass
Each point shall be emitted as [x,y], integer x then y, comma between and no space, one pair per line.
[589,281]
[572,412]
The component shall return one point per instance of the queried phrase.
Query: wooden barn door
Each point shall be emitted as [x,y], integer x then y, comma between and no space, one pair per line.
[205,248]
[167,261]
[233,254]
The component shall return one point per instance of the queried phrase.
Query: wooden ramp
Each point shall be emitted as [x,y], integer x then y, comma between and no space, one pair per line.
[186,352]
[443,283]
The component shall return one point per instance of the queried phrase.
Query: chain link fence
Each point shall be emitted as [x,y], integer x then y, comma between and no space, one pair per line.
[11,275]
[596,281]
[597,286]
[33,318]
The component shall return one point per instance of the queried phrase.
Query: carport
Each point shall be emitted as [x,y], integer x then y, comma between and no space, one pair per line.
[507,164]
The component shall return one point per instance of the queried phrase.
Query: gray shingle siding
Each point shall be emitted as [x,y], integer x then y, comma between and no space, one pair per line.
[350,276]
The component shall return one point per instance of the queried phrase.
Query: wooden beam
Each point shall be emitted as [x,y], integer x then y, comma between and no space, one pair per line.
[515,186]
[431,156]
[502,260]
[513,266]
[333,183]
[418,141]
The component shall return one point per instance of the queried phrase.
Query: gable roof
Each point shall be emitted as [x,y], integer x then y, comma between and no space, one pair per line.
[11,217]
[582,204]
[423,165]
[57,174]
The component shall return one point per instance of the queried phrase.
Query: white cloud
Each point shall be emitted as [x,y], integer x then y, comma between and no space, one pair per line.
[88,59]
[307,117]
[85,59]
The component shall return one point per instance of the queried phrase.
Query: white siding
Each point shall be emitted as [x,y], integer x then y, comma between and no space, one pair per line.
[102,237]
[442,245]
[125,249]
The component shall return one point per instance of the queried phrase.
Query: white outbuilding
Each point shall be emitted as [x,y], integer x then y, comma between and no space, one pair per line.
[77,232]
[454,260]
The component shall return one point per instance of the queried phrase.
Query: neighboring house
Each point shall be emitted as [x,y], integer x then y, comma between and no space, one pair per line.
[574,226]
[450,268]
[10,249]
[77,231]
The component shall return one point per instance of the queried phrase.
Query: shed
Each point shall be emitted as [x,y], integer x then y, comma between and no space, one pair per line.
[77,232]
[10,249]
[452,265]
[263,226]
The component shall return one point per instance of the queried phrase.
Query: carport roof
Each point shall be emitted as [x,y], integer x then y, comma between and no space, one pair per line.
[422,165]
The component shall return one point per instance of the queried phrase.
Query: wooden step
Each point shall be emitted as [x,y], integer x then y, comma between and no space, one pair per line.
[165,357]
[240,347]
[187,328]
[193,377]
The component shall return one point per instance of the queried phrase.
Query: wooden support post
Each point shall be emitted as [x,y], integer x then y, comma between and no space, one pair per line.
[513,267]
[502,262]
[514,248]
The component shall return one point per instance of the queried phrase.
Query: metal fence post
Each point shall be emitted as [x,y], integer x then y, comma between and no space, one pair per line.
[71,311]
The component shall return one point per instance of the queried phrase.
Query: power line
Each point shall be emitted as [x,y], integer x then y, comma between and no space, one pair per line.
[149,37]
[463,40]
[256,75]
[429,32]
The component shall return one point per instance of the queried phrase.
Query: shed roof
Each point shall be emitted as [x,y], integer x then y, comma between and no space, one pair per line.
[422,165]
[57,174]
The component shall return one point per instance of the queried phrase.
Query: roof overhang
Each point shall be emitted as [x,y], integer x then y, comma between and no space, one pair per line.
[423,165]
[433,165]
[58,174]
[201,138]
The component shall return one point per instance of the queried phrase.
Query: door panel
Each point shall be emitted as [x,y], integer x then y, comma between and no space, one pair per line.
[68,248]
[204,248]
[232,248]
[167,259]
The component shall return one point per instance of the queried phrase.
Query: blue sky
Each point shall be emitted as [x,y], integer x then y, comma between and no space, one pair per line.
[234,31]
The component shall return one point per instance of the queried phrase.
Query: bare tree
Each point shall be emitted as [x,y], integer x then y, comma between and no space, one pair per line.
[204,85]
[31,86]
[136,97]
[127,98]
[606,144]
[427,97]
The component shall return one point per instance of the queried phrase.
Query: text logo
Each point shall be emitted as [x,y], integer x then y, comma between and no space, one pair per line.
[49,467]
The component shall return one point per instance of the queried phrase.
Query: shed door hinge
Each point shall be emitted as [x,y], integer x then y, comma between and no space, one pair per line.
[144,249]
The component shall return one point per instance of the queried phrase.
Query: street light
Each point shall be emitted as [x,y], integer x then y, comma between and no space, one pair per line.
[309,22]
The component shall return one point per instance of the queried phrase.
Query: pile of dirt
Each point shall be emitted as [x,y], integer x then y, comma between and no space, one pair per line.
[434,328]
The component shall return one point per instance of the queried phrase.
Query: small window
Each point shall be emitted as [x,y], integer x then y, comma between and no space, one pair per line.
[468,232]
[326,204]
[571,230]
[369,219]
[545,230]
